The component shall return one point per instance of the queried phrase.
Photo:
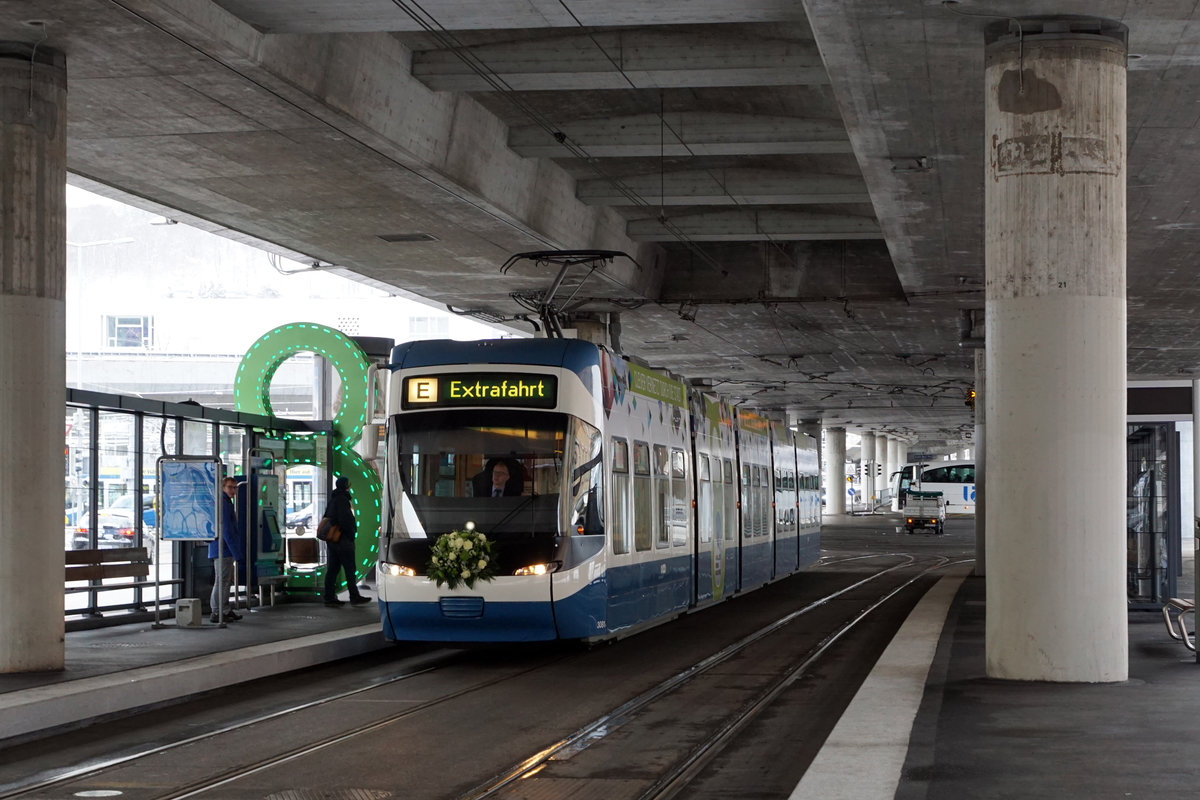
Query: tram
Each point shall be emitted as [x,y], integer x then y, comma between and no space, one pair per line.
[614,497]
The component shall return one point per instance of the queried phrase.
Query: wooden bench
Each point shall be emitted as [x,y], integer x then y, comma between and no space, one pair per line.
[97,564]
[1180,608]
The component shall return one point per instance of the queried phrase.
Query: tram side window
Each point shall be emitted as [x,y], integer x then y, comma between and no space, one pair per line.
[704,498]
[730,501]
[643,516]
[679,510]
[762,524]
[587,503]
[662,486]
[961,474]
[747,502]
[620,496]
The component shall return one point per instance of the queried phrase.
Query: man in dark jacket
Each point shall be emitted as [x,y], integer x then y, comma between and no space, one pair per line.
[340,554]
[225,552]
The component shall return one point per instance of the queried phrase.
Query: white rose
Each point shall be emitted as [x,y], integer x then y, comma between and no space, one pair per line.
[482,563]
[467,546]
[466,573]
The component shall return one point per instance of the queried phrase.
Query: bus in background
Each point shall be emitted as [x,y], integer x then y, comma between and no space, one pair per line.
[954,479]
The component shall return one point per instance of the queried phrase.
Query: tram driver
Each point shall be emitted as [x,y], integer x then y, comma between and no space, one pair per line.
[500,477]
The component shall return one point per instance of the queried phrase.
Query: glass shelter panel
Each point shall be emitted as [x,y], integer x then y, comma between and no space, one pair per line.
[1153,545]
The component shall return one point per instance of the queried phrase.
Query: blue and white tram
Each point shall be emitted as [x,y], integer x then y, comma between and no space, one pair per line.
[629,501]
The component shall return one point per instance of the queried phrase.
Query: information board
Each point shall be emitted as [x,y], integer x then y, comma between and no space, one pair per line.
[189,497]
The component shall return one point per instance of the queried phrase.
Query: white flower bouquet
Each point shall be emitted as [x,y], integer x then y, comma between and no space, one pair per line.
[461,558]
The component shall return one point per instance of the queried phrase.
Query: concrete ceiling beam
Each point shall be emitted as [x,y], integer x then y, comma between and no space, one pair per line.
[363,16]
[724,187]
[764,225]
[638,59]
[682,134]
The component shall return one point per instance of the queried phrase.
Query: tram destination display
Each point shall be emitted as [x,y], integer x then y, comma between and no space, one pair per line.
[515,389]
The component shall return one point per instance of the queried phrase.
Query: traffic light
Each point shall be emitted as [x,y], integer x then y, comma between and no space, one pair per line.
[878,469]
[970,398]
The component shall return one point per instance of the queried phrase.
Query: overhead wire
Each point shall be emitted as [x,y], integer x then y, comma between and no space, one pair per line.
[449,42]
[678,138]
[121,4]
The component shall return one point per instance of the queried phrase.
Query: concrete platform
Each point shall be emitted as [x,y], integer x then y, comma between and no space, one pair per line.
[121,668]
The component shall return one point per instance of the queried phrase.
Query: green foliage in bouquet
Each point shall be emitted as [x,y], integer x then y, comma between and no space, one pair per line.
[461,558]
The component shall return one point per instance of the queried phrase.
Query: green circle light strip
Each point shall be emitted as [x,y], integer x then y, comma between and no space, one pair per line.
[252,385]
[252,394]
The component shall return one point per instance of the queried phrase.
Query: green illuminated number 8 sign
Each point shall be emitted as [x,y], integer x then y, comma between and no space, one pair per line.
[252,394]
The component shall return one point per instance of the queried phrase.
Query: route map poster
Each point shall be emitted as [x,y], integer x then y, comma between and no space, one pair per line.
[189,489]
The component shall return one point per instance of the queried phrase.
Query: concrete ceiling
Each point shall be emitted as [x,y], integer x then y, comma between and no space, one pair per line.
[798,186]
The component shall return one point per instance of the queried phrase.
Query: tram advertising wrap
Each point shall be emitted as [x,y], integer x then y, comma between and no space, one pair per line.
[581,496]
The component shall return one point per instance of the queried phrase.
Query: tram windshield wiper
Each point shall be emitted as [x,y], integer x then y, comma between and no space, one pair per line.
[525,503]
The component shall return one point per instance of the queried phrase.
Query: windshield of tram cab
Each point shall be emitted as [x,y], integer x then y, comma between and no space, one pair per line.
[503,470]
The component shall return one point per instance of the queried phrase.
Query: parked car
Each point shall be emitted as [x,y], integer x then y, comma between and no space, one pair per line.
[116,526]
[300,518]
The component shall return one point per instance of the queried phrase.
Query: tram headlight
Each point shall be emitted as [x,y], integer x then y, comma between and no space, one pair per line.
[397,570]
[539,569]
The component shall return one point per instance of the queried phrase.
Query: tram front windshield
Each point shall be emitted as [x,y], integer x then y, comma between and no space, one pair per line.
[502,470]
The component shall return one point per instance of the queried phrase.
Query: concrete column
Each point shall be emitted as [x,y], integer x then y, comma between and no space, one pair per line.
[881,473]
[813,428]
[867,455]
[33,185]
[893,458]
[980,458]
[835,470]
[590,330]
[1055,127]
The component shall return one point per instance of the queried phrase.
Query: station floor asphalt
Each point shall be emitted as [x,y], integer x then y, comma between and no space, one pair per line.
[928,724]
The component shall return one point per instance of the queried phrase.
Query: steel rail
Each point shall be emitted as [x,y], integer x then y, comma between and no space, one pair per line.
[684,771]
[50,778]
[612,720]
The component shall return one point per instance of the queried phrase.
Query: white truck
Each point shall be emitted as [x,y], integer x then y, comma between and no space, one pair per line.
[925,510]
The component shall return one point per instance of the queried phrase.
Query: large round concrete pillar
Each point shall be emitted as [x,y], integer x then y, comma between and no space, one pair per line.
[835,470]
[980,465]
[33,180]
[881,473]
[893,459]
[1055,406]
[867,463]
[813,428]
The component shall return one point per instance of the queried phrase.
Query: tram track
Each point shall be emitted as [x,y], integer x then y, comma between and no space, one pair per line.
[436,660]
[94,775]
[669,784]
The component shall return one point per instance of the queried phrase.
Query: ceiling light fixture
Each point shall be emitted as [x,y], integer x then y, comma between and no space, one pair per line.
[910,164]
[408,237]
